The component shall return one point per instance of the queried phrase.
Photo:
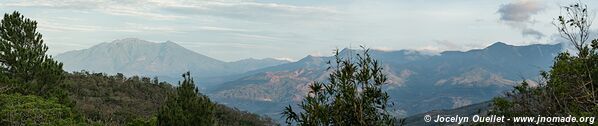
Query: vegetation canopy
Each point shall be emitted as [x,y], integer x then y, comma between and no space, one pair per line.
[187,106]
[24,66]
[353,96]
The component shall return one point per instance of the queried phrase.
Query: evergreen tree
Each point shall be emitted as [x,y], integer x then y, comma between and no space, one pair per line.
[353,96]
[187,107]
[23,59]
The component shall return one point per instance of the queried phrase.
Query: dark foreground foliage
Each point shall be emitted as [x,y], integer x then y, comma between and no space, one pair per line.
[24,66]
[187,106]
[353,96]
[571,86]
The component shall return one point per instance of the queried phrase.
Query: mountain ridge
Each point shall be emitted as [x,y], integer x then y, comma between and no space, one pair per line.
[132,56]
[454,78]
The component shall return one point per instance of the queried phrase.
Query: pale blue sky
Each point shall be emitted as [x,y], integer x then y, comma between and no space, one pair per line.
[235,29]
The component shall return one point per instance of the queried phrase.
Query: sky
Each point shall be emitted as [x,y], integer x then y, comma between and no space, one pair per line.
[231,30]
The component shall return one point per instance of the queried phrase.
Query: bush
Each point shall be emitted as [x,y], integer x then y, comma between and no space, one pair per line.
[17,109]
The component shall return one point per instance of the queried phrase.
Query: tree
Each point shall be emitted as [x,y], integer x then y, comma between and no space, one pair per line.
[353,96]
[187,107]
[574,26]
[23,58]
[570,87]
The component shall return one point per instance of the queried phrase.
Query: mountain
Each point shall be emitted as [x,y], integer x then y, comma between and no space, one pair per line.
[166,60]
[418,82]
[254,64]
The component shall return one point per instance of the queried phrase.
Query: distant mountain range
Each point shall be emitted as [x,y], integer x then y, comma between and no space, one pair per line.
[166,60]
[418,82]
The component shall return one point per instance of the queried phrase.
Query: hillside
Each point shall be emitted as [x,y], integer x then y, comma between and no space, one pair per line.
[118,100]
[418,82]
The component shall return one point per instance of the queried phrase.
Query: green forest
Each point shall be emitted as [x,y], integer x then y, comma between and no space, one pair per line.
[35,90]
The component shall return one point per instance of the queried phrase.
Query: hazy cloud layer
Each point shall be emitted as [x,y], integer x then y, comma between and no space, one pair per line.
[445,45]
[235,29]
[159,9]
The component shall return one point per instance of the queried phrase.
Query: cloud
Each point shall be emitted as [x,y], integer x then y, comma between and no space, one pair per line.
[384,49]
[255,36]
[239,18]
[52,4]
[140,8]
[178,9]
[61,27]
[285,59]
[195,7]
[51,24]
[223,29]
[135,27]
[250,11]
[445,45]
[532,33]
[519,15]
[521,11]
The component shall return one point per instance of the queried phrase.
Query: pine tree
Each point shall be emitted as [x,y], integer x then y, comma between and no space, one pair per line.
[353,96]
[187,107]
[23,59]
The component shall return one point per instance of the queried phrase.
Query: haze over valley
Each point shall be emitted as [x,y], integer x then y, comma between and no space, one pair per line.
[418,81]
